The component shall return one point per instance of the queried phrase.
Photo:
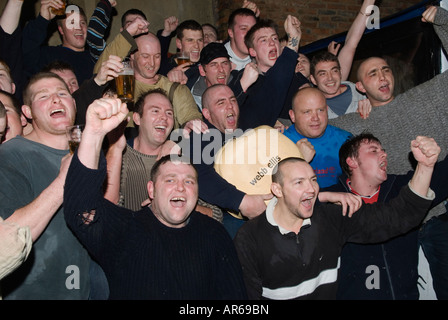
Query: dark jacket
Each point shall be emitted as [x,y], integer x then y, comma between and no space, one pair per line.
[212,187]
[286,265]
[265,98]
[396,259]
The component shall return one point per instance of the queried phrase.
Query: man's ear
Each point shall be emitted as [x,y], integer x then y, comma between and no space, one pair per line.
[26,110]
[230,32]
[313,80]
[150,187]
[206,113]
[292,116]
[276,190]
[178,44]
[201,70]
[61,31]
[252,52]
[352,163]
[136,118]
[360,87]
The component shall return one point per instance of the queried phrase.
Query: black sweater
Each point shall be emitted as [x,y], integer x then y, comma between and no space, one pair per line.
[141,257]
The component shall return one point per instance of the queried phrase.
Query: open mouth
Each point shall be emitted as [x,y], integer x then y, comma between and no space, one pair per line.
[308,202]
[384,88]
[57,113]
[272,54]
[79,36]
[221,79]
[383,165]
[231,119]
[160,128]
[178,202]
[194,55]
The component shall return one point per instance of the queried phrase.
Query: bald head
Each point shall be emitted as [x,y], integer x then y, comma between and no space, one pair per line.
[146,60]
[306,93]
[220,107]
[309,112]
[147,39]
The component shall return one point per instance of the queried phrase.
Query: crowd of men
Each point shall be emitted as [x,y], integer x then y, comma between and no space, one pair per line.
[139,210]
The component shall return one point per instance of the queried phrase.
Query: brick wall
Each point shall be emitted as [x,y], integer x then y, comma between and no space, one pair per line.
[320,18]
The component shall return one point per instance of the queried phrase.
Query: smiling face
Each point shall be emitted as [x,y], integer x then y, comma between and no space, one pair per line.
[174,193]
[74,31]
[220,107]
[266,48]
[146,61]
[376,81]
[297,189]
[309,113]
[191,44]
[216,71]
[327,77]
[51,107]
[156,121]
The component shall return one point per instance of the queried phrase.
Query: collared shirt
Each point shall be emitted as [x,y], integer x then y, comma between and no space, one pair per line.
[270,217]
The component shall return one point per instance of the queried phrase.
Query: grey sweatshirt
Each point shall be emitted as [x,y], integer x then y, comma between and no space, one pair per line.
[422,110]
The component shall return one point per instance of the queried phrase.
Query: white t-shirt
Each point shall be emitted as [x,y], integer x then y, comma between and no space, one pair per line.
[239,63]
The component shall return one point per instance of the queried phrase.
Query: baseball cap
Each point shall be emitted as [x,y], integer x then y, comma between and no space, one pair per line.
[212,51]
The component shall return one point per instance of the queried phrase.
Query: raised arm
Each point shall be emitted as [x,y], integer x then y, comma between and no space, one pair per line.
[439,18]
[426,151]
[293,31]
[252,6]
[103,115]
[9,20]
[99,22]
[35,33]
[114,158]
[353,37]
[124,42]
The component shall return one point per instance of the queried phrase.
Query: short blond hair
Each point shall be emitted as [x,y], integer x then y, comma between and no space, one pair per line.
[27,94]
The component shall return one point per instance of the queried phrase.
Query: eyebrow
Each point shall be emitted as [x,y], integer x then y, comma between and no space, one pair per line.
[376,147]
[376,69]
[44,90]
[171,175]
[226,98]
[304,178]
[325,70]
[47,89]
[154,106]
[267,35]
